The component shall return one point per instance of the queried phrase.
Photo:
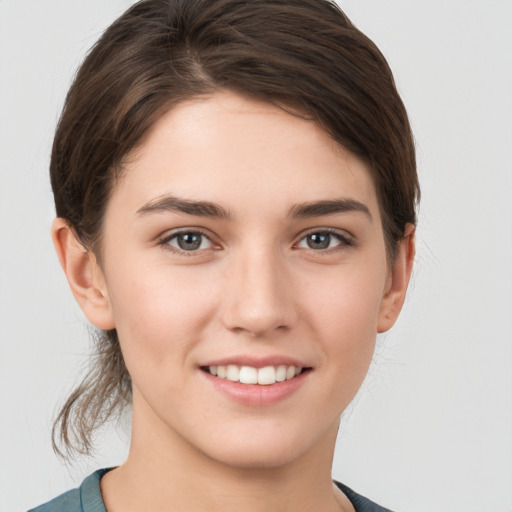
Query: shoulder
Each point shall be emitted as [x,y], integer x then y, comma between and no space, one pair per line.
[86,498]
[360,503]
[68,502]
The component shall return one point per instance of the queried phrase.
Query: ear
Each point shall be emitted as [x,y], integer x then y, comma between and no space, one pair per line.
[398,280]
[84,275]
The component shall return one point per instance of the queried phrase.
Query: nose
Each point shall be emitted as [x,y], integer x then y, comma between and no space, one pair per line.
[259,296]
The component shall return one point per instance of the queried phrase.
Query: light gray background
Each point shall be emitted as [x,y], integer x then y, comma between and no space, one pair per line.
[431,430]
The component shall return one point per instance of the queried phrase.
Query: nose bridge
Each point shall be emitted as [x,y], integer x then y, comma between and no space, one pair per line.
[258,295]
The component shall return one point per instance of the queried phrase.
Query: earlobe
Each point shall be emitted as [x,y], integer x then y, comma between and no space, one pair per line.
[399,277]
[84,275]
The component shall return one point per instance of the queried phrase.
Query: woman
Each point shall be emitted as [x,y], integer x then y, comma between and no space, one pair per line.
[235,188]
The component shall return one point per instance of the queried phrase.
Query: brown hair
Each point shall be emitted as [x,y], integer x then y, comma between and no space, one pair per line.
[303,55]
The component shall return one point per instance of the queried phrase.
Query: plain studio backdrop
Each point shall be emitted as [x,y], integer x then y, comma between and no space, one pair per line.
[431,430]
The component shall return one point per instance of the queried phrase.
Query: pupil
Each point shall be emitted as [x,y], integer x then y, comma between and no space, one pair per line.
[319,240]
[189,241]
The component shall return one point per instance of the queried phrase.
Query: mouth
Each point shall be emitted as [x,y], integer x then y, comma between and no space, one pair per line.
[264,376]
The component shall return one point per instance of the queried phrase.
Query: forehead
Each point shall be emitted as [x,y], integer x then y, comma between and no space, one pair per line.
[248,154]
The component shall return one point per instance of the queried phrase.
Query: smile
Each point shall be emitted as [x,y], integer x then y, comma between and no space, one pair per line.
[265,376]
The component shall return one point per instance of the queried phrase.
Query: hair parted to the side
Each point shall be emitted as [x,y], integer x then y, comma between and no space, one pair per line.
[302,55]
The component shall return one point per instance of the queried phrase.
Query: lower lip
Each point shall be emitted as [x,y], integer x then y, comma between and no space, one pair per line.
[256,394]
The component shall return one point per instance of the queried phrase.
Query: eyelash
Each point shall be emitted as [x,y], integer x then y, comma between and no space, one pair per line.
[165,241]
[344,241]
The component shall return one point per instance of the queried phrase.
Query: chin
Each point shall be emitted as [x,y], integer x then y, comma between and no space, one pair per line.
[268,449]
[256,458]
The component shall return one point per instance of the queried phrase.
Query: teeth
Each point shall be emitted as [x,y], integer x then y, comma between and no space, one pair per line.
[250,375]
[290,372]
[281,373]
[267,375]
[232,373]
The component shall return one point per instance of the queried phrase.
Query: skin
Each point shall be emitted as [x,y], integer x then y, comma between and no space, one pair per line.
[255,288]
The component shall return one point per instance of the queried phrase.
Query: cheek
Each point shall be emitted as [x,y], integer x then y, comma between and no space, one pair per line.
[157,308]
[347,301]
[344,312]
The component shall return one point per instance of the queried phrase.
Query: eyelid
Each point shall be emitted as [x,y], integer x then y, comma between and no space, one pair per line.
[345,238]
[163,240]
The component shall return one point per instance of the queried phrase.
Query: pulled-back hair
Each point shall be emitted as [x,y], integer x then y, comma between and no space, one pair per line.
[303,55]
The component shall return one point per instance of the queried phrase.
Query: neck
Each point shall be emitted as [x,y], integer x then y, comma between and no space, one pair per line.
[165,472]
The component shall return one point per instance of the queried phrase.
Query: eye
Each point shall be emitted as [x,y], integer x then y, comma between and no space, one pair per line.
[323,240]
[187,241]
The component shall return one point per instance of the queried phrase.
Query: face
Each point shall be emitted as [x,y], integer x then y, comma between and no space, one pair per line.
[243,244]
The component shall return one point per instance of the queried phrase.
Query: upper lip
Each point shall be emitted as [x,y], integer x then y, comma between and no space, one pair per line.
[257,362]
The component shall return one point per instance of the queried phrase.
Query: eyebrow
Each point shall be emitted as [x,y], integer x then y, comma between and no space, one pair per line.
[187,206]
[207,209]
[328,207]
